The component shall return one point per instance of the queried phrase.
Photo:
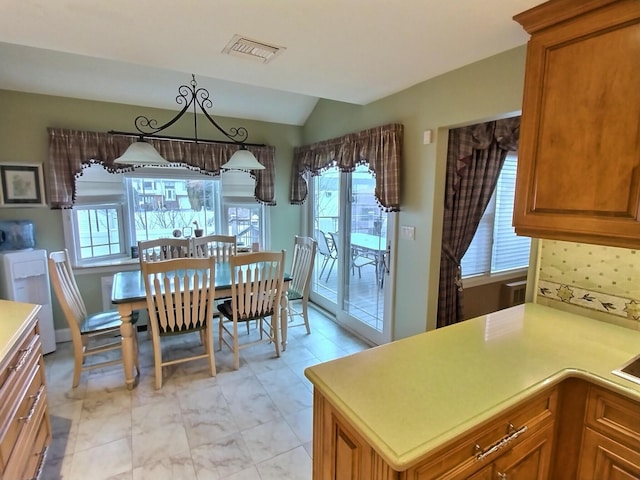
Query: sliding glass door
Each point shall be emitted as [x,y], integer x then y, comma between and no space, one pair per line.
[352,273]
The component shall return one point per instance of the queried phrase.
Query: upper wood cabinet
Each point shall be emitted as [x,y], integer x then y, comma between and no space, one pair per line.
[579,155]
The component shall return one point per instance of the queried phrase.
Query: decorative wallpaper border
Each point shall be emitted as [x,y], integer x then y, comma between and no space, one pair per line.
[570,294]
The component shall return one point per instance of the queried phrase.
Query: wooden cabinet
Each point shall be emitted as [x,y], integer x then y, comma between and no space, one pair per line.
[611,438]
[25,430]
[579,157]
[518,440]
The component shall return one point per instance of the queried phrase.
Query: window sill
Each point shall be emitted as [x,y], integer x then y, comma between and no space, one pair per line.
[108,266]
[476,281]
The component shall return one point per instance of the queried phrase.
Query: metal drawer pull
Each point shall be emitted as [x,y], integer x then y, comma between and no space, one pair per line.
[482,454]
[23,358]
[32,410]
[43,457]
[502,476]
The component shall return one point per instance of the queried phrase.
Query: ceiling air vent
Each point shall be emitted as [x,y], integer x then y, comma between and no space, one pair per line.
[245,47]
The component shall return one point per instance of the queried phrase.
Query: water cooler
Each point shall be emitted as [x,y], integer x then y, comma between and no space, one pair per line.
[24,277]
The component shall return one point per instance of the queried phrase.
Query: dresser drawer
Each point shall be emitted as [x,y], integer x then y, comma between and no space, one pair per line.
[28,398]
[615,416]
[31,443]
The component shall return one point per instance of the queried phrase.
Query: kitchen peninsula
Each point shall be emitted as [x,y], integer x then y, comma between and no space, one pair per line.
[463,401]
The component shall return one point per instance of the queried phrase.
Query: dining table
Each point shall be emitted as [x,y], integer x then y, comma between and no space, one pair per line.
[128,295]
[376,246]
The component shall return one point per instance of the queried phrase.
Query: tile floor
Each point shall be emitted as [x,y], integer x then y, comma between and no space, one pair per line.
[251,424]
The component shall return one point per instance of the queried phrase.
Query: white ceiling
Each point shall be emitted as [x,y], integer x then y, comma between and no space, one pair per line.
[139,51]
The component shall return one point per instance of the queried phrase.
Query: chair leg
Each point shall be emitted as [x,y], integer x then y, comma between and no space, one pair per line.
[78,360]
[305,316]
[157,360]
[236,347]
[330,270]
[324,265]
[209,347]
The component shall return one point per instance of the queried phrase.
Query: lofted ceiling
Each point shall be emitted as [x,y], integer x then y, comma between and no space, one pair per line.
[138,52]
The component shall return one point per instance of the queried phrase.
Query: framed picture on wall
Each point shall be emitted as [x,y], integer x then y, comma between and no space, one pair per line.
[21,185]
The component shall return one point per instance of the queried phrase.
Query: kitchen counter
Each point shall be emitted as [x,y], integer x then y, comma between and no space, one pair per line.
[14,320]
[408,397]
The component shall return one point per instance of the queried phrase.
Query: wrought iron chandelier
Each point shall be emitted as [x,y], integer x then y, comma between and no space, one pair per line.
[197,98]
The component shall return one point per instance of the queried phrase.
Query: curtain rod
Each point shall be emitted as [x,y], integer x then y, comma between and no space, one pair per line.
[185,139]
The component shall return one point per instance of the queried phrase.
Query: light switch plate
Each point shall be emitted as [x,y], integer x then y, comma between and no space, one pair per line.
[408,232]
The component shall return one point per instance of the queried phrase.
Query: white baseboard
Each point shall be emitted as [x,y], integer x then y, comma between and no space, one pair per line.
[63,335]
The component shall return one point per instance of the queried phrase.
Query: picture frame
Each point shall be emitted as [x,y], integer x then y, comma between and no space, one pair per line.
[21,185]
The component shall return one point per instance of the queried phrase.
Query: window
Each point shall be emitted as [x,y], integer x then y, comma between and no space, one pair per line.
[495,247]
[98,231]
[102,225]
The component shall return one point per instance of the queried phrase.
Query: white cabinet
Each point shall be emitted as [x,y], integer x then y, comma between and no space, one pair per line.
[24,277]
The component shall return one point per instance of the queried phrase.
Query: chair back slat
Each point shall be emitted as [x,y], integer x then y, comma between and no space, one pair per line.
[163,249]
[221,247]
[66,290]
[256,286]
[304,253]
[179,292]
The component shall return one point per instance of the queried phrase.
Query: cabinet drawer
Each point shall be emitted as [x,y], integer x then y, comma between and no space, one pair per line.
[16,361]
[33,437]
[38,455]
[615,416]
[30,395]
[482,445]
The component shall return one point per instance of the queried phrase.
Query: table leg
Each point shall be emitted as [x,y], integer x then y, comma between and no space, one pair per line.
[128,345]
[284,319]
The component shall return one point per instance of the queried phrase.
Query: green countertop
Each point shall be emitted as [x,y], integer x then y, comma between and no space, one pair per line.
[14,316]
[408,397]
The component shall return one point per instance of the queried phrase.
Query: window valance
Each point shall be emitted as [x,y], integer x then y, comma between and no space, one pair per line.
[380,148]
[72,150]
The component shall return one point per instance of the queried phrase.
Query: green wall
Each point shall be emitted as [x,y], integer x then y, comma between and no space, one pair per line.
[24,119]
[477,92]
[481,91]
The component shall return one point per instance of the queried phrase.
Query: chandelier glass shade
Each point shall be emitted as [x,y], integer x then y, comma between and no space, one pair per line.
[142,153]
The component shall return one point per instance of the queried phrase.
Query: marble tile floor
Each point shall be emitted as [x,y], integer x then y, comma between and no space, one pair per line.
[251,424]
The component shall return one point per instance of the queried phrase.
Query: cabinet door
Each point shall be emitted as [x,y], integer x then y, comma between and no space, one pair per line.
[605,459]
[578,162]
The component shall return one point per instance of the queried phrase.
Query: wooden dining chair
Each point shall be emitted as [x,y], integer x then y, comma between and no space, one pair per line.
[91,334]
[220,247]
[163,249]
[304,254]
[256,291]
[180,295]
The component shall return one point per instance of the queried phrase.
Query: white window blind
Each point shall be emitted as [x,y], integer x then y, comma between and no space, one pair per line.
[495,246]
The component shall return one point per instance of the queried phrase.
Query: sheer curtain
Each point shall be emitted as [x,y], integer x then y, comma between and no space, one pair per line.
[72,150]
[474,158]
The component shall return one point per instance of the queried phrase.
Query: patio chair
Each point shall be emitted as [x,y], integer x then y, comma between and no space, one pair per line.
[92,334]
[329,252]
[304,254]
[180,295]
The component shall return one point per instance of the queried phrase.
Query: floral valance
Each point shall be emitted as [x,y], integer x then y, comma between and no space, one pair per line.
[380,148]
[72,150]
